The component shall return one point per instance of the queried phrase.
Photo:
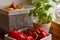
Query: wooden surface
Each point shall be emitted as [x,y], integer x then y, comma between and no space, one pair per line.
[55,30]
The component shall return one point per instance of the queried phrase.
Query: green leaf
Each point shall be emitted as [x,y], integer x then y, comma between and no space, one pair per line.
[41,11]
[31,12]
[35,13]
[49,17]
[34,3]
[47,7]
[44,1]
[38,5]
[54,0]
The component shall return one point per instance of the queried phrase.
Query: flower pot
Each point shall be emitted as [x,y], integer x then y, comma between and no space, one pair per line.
[45,27]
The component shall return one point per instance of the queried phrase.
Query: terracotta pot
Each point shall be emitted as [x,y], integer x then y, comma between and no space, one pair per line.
[45,27]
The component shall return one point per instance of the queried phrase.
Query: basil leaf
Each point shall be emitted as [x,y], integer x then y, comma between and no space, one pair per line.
[54,0]
[47,6]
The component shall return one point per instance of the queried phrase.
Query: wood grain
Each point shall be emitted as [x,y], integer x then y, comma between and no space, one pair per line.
[55,30]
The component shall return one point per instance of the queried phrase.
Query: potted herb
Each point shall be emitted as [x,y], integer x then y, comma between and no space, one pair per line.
[41,14]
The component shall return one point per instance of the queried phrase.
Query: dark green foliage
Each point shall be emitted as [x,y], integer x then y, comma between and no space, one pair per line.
[54,0]
[41,11]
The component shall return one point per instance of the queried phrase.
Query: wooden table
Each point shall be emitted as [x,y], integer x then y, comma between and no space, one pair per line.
[55,30]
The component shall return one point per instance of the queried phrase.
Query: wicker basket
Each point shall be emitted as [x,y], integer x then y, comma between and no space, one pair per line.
[16,18]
